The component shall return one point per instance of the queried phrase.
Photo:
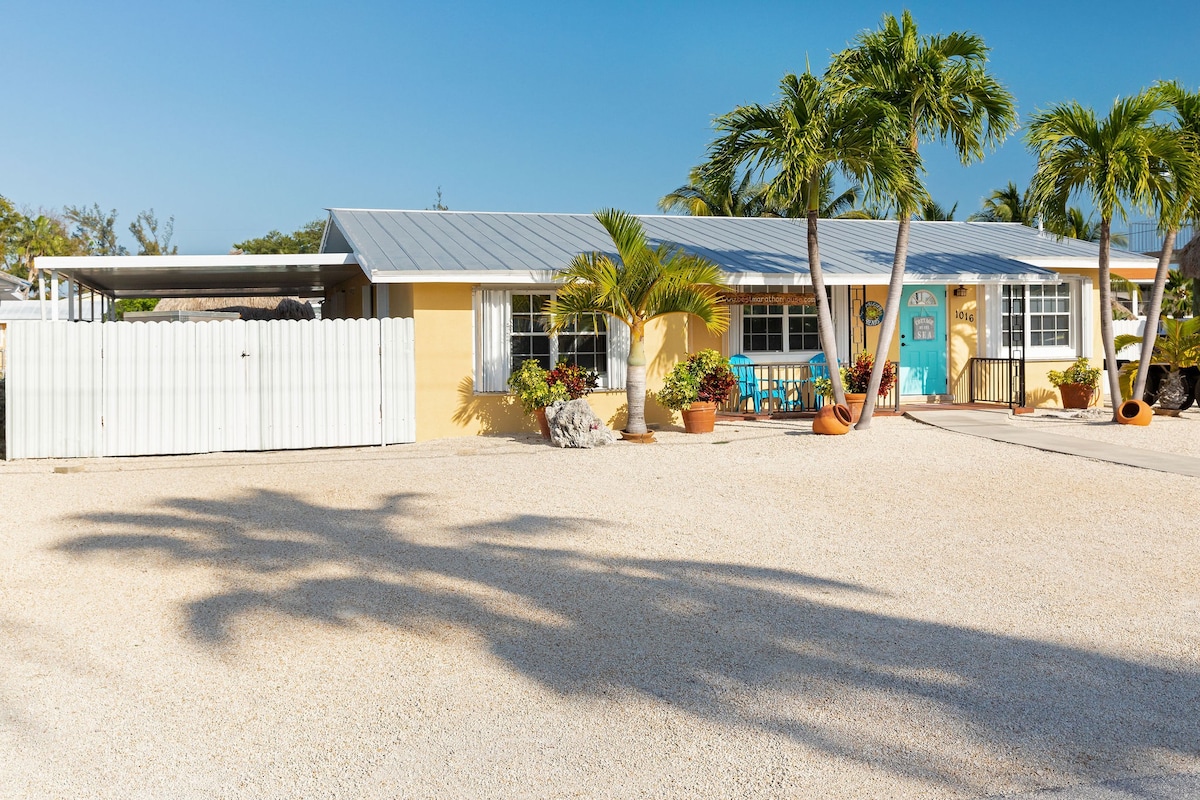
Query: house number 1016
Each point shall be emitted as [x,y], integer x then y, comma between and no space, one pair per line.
[963,315]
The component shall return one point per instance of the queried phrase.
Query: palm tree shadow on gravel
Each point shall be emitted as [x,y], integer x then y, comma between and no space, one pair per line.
[774,649]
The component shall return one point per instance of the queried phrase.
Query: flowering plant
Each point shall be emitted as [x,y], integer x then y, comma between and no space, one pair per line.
[1080,372]
[856,375]
[705,377]
[533,390]
[577,381]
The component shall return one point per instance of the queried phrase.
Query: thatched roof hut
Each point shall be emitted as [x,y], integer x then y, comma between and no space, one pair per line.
[248,307]
[1189,259]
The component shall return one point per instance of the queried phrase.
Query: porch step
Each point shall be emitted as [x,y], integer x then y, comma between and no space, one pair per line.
[926,399]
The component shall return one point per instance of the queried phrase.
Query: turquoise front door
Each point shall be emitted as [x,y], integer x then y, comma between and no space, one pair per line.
[923,340]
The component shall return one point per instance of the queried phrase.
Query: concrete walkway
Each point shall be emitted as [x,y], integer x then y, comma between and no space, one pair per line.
[994,425]
[1168,787]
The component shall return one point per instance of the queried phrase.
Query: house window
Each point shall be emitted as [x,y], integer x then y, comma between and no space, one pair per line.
[512,326]
[764,327]
[1042,318]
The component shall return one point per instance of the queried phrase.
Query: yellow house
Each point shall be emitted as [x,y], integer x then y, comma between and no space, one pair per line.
[979,299]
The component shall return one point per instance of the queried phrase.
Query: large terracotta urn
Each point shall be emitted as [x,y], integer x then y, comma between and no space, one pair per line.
[699,417]
[832,420]
[1134,412]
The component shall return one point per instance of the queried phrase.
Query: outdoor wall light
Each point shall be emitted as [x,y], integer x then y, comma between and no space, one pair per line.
[961,291]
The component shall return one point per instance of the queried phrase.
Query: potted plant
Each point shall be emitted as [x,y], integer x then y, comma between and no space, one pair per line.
[696,387]
[1176,349]
[856,376]
[534,391]
[1077,383]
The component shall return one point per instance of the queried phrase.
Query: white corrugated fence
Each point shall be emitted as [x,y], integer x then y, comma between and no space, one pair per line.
[152,388]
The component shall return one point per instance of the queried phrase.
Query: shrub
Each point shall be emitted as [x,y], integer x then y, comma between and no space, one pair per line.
[1081,372]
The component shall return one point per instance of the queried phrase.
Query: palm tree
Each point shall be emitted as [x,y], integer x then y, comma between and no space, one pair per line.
[933,211]
[1009,204]
[1176,350]
[1123,156]
[1180,204]
[801,140]
[39,236]
[714,194]
[940,88]
[642,284]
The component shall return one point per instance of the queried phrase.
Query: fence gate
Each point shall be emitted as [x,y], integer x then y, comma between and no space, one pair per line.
[76,389]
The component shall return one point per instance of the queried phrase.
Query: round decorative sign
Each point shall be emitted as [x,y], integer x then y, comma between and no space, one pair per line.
[871,313]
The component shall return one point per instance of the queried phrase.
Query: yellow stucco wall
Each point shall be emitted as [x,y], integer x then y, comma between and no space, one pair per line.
[446,401]
[965,322]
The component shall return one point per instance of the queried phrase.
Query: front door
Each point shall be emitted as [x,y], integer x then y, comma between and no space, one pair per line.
[923,340]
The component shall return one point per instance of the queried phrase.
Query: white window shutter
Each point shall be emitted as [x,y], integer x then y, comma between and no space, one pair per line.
[1082,297]
[618,352]
[494,319]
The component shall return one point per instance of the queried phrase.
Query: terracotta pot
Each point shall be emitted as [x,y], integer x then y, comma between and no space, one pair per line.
[855,402]
[1134,412]
[832,420]
[1166,412]
[540,413]
[1076,395]
[638,438]
[699,417]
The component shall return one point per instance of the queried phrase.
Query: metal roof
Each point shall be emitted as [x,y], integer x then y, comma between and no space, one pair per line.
[210,276]
[410,245]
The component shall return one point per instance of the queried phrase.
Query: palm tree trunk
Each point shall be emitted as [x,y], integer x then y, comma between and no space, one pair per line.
[824,316]
[887,326]
[635,381]
[1106,318]
[1153,312]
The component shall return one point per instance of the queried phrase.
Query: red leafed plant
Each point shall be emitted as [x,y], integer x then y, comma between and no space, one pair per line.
[578,382]
[856,375]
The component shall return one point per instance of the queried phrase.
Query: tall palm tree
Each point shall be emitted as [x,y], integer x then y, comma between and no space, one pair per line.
[1124,156]
[940,88]
[1009,204]
[800,140]
[39,236]
[717,194]
[642,284]
[1179,205]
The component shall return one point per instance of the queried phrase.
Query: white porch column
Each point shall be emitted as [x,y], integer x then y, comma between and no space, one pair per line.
[54,294]
[365,295]
[41,279]
[382,310]
[70,299]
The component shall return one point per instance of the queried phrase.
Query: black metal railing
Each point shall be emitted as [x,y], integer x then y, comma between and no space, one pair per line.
[996,380]
[782,388]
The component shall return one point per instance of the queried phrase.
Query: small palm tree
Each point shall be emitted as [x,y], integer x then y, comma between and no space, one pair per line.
[1177,349]
[39,236]
[1122,157]
[800,141]
[643,283]
[717,194]
[1009,204]
[940,89]
[933,211]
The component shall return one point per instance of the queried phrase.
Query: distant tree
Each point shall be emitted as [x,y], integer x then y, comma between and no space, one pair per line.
[38,236]
[717,193]
[437,203]
[932,211]
[135,304]
[95,230]
[10,221]
[305,240]
[152,242]
[1009,204]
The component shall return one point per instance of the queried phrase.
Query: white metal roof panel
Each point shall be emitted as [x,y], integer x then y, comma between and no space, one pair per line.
[478,242]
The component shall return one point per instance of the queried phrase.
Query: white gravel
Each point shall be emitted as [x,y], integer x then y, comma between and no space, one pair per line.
[1179,435]
[754,613]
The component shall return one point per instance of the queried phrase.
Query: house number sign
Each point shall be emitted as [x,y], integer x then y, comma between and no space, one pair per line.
[924,329]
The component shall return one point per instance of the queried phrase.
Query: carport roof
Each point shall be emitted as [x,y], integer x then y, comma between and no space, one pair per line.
[412,246]
[210,276]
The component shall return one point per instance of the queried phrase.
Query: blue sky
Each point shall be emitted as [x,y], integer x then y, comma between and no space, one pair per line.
[241,117]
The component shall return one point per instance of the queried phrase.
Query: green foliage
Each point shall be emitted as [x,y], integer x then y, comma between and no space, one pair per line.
[438,205]
[705,376]
[135,304]
[307,239]
[533,390]
[1081,372]
[95,230]
[1009,204]
[1177,348]
[151,241]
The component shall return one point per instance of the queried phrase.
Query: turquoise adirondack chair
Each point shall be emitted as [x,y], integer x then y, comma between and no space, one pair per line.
[749,386]
[818,368]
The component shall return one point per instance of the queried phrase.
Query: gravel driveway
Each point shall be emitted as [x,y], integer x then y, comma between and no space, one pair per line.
[493,617]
